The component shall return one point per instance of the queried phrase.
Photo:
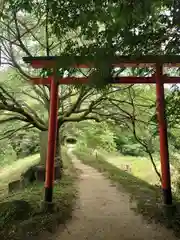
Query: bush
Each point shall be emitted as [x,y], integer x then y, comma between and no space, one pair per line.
[11,212]
[133,150]
[25,143]
[7,153]
[120,142]
[96,136]
[127,145]
[21,215]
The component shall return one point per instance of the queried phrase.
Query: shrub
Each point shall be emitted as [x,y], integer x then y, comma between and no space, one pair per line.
[133,150]
[25,143]
[96,136]
[7,153]
[13,211]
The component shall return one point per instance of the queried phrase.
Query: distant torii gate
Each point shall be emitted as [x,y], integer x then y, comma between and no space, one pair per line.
[156,62]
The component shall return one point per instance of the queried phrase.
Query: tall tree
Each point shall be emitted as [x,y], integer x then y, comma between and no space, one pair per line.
[31,28]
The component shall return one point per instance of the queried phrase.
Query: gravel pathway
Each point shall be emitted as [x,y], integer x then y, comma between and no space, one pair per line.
[104,213]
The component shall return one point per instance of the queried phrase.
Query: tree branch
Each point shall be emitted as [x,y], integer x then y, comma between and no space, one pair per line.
[23,47]
[139,140]
[8,134]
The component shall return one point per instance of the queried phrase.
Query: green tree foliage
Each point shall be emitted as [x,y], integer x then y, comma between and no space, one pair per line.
[94,136]
[127,145]
[127,25]
[102,29]
[25,143]
[7,154]
[172,106]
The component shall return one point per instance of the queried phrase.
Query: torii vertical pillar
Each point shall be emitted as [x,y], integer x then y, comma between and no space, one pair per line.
[52,133]
[164,152]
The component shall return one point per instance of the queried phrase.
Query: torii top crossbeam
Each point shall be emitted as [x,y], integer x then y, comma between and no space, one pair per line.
[69,61]
[119,61]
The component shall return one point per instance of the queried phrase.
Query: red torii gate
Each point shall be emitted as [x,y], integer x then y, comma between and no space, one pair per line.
[157,62]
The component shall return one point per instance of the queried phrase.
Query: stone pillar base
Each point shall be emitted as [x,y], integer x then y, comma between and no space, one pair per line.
[47,207]
[169,210]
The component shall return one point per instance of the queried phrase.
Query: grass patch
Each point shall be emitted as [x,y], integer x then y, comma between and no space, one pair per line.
[148,198]
[21,214]
[13,171]
[141,167]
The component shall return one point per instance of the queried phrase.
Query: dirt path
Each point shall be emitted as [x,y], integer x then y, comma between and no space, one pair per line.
[104,213]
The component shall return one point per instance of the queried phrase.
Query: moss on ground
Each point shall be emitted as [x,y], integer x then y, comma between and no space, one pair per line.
[21,214]
[148,198]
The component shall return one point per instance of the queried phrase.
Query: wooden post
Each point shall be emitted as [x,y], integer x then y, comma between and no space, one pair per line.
[51,140]
[164,153]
